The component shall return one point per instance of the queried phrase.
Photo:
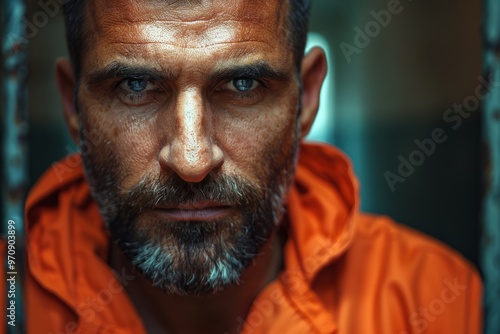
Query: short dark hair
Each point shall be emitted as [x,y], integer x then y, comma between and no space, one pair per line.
[74,13]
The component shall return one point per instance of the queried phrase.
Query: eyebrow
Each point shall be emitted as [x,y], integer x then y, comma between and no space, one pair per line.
[120,70]
[256,70]
[116,70]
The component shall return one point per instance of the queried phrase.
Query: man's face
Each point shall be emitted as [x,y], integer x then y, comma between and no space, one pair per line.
[188,129]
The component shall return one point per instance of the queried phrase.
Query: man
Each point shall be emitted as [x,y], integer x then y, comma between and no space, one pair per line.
[196,206]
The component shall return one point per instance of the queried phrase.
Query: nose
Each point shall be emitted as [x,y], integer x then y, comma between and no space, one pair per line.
[192,152]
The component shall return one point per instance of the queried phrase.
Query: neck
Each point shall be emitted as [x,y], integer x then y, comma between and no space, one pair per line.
[222,312]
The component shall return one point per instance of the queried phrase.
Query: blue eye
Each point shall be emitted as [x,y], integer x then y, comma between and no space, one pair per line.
[136,91]
[137,85]
[243,84]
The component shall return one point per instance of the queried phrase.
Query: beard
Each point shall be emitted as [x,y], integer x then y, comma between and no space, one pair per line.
[191,257]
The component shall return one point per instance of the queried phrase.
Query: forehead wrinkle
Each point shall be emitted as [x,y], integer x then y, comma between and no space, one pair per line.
[234,29]
[206,36]
[189,28]
[264,13]
[194,47]
[125,6]
[132,12]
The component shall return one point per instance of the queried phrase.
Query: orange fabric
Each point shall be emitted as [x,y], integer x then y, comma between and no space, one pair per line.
[345,272]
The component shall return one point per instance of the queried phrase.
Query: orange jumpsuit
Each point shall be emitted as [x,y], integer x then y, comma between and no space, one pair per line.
[344,271]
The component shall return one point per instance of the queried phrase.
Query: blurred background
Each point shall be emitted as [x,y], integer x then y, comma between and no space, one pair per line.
[394,88]
[378,100]
[392,85]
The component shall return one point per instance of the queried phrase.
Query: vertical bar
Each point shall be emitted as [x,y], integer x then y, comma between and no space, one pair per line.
[14,171]
[491,136]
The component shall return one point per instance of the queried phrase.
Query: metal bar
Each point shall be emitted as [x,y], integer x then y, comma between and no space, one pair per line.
[490,253]
[15,171]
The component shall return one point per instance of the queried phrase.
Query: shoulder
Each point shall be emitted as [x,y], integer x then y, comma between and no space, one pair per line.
[411,247]
[436,286]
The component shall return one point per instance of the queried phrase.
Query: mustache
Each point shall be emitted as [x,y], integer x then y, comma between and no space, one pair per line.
[174,191]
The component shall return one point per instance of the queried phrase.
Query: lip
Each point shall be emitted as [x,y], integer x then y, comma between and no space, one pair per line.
[201,211]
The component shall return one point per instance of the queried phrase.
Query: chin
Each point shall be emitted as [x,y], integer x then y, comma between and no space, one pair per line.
[192,257]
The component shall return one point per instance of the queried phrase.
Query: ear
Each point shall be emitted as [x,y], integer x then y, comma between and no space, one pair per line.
[66,82]
[313,73]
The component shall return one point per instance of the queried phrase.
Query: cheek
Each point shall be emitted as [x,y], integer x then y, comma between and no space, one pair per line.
[126,141]
[258,140]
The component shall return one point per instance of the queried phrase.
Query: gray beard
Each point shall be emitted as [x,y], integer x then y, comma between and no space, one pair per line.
[190,258]
[198,257]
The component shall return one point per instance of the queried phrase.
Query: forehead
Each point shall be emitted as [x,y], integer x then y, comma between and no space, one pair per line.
[186,28]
